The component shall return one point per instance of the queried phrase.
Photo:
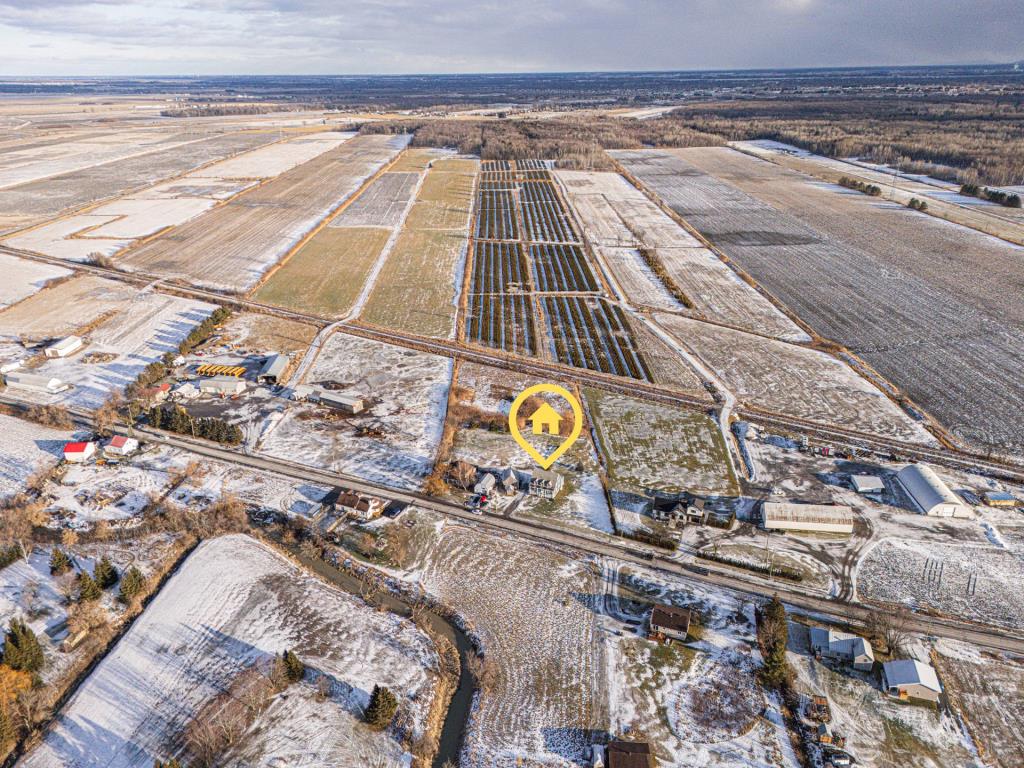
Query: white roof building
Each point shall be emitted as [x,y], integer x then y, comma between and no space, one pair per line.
[827,518]
[867,483]
[843,646]
[222,385]
[35,382]
[66,346]
[273,369]
[932,496]
[344,403]
[910,678]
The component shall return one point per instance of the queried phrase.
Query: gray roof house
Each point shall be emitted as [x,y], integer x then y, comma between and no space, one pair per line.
[911,679]
[545,483]
[843,646]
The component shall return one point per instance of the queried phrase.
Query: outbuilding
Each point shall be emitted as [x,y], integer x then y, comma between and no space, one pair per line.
[65,347]
[221,385]
[344,403]
[911,679]
[843,646]
[867,483]
[826,518]
[629,754]
[76,453]
[670,623]
[1000,499]
[931,495]
[485,484]
[35,382]
[120,445]
[273,370]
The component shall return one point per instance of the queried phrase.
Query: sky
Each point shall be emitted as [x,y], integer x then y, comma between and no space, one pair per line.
[186,37]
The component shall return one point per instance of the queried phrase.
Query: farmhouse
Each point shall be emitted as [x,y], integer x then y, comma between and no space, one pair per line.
[1000,499]
[120,445]
[485,484]
[843,646]
[509,481]
[221,385]
[76,453]
[545,483]
[911,679]
[867,483]
[344,403]
[273,370]
[35,382]
[692,510]
[156,394]
[932,496]
[828,518]
[65,347]
[629,754]
[670,623]
[353,504]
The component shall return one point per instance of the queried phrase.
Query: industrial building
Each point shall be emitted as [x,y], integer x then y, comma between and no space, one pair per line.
[867,483]
[344,403]
[825,518]
[221,385]
[911,679]
[65,347]
[843,646]
[273,370]
[932,496]
[35,382]
[1000,499]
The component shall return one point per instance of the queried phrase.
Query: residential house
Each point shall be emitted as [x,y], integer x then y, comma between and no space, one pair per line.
[485,484]
[358,506]
[509,482]
[120,445]
[911,679]
[669,622]
[690,510]
[629,754]
[76,453]
[843,646]
[545,483]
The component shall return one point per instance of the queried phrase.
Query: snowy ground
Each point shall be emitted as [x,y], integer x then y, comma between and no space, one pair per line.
[234,603]
[22,278]
[406,393]
[26,448]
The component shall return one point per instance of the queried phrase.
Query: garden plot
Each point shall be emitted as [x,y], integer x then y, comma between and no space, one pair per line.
[22,278]
[971,581]
[561,268]
[417,288]
[534,611]
[65,308]
[794,380]
[45,198]
[831,258]
[649,447]
[879,730]
[593,334]
[666,365]
[619,218]
[988,692]
[235,603]
[275,159]
[406,393]
[499,313]
[383,203]
[141,333]
[231,246]
[27,448]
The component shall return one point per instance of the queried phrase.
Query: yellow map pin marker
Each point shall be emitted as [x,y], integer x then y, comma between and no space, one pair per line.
[545,419]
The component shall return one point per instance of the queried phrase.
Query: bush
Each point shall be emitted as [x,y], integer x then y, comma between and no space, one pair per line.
[382,708]
[10,554]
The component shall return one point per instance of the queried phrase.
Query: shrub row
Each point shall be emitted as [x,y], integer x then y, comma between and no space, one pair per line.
[868,189]
[776,570]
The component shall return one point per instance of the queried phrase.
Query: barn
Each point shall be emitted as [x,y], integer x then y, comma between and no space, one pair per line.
[65,347]
[826,518]
[273,370]
[76,453]
[35,382]
[931,495]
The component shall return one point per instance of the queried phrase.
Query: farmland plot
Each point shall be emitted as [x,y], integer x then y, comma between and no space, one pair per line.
[593,334]
[500,315]
[235,603]
[383,203]
[795,380]
[231,246]
[22,278]
[533,609]
[561,268]
[273,160]
[26,448]
[65,307]
[855,288]
[650,447]
[544,217]
[496,215]
[394,440]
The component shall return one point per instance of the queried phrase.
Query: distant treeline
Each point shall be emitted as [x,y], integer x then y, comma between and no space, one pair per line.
[222,110]
[573,142]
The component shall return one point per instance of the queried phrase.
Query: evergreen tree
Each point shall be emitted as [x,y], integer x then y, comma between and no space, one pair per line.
[105,573]
[132,584]
[88,589]
[293,666]
[382,708]
[59,562]
[7,733]
[21,648]
[774,636]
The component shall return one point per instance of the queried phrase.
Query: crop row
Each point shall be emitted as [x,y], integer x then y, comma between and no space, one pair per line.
[561,268]
[496,216]
[499,315]
[533,164]
[590,333]
[547,222]
[489,166]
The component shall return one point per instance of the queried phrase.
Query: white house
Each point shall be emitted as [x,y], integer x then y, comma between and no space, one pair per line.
[911,679]
[545,483]
[364,508]
[930,494]
[76,453]
[485,484]
[843,646]
[120,445]
[827,518]
[64,347]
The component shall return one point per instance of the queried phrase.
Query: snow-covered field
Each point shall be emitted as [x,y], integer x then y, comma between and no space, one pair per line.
[22,278]
[232,604]
[63,308]
[406,394]
[24,449]
[274,159]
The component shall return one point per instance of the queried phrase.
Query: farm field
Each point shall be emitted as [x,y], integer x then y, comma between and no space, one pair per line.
[795,380]
[650,447]
[594,334]
[500,314]
[417,288]
[394,440]
[877,301]
[22,278]
[234,604]
[383,203]
[327,274]
[275,159]
[258,333]
[618,218]
[533,610]
[231,246]
[44,198]
[26,449]
[46,314]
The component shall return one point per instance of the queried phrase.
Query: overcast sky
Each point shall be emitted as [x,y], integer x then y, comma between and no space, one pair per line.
[165,37]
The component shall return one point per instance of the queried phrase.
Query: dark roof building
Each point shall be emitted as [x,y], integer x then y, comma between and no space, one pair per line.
[670,622]
[630,754]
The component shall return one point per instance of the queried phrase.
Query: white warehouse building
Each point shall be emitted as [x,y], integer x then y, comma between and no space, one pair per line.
[827,518]
[35,381]
[930,494]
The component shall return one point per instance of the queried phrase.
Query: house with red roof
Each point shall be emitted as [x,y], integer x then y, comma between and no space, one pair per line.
[76,453]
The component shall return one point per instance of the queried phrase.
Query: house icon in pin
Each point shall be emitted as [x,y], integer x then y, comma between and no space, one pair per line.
[545,419]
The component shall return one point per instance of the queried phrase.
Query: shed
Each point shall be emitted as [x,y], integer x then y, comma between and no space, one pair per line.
[64,347]
[670,622]
[76,453]
[485,484]
[221,385]
[344,403]
[911,679]
[931,495]
[867,483]
[34,382]
[843,646]
[273,369]
[629,754]
[828,518]
[120,445]
[1000,499]
[545,483]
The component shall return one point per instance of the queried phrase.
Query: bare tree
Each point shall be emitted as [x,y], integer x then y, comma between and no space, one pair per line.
[463,474]
[484,670]
[891,629]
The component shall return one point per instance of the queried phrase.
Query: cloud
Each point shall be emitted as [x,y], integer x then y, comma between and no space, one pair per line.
[379,36]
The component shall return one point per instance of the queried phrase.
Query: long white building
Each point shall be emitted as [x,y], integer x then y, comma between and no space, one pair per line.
[826,518]
[932,496]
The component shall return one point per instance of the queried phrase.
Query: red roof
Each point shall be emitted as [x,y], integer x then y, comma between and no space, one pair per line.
[75,447]
[118,441]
